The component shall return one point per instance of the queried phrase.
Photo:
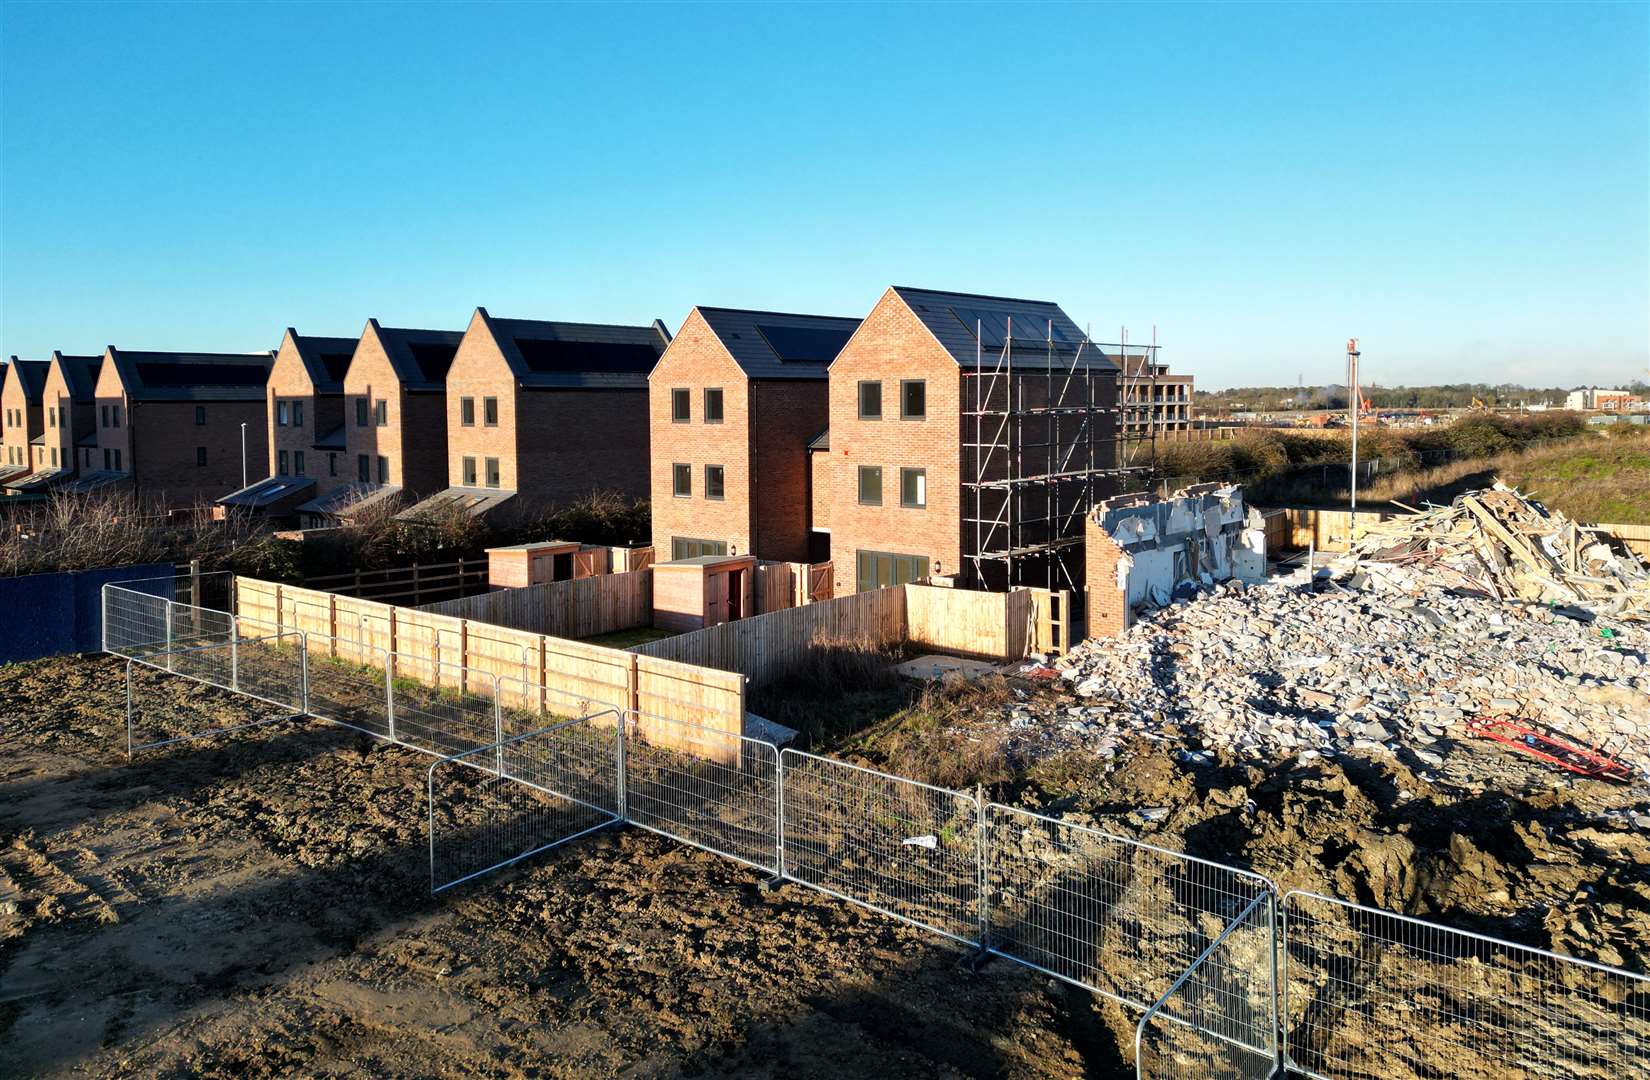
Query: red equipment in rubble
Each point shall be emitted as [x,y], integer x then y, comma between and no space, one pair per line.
[1551,747]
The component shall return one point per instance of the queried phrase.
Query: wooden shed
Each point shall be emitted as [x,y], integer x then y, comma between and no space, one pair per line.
[521,565]
[708,590]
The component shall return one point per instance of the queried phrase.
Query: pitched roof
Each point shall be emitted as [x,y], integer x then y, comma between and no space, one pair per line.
[79,374]
[420,357]
[972,326]
[269,490]
[171,376]
[326,359]
[31,375]
[568,355]
[469,501]
[777,344]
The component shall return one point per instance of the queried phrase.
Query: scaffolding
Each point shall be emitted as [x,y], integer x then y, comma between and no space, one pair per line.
[1043,441]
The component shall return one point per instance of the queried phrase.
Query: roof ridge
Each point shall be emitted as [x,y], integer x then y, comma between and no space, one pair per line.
[974,296]
[786,314]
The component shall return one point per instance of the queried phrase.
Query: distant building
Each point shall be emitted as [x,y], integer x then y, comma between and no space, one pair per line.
[1153,397]
[1595,400]
[22,417]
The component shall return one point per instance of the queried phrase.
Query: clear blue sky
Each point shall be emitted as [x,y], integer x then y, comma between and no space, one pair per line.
[1466,188]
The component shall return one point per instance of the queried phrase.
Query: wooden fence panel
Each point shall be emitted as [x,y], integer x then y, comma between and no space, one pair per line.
[709,700]
[583,607]
[576,672]
[1635,537]
[774,587]
[258,603]
[965,621]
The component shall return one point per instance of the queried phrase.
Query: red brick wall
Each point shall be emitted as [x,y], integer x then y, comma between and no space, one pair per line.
[414,437]
[1106,602]
[821,485]
[65,420]
[480,371]
[163,437]
[785,415]
[111,393]
[12,398]
[892,344]
[289,383]
[575,442]
[696,360]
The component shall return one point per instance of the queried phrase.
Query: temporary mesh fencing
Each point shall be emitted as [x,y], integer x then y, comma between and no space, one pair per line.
[1225,987]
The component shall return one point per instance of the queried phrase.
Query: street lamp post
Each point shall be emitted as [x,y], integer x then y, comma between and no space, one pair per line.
[243,454]
[1356,396]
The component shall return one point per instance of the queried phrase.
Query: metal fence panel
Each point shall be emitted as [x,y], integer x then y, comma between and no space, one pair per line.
[443,708]
[1113,915]
[496,805]
[349,685]
[1371,993]
[190,625]
[134,620]
[704,787]
[269,670]
[896,846]
[1218,1020]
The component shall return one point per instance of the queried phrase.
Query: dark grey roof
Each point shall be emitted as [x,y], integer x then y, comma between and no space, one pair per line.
[88,439]
[822,441]
[567,355]
[326,359]
[420,357]
[100,478]
[471,501]
[954,318]
[11,472]
[79,374]
[777,344]
[268,491]
[171,376]
[31,375]
[349,498]
[44,480]
[331,440]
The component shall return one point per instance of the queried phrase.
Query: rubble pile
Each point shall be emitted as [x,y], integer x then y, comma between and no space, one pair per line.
[1312,667]
[1505,546]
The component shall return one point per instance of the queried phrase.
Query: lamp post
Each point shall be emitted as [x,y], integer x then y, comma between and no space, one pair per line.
[1355,396]
[243,454]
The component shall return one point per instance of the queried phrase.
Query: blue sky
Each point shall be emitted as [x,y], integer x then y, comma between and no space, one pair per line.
[1465,188]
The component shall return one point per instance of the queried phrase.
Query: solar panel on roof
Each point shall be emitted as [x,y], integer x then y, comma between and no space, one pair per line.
[548,356]
[993,327]
[164,374]
[806,344]
[337,365]
[433,358]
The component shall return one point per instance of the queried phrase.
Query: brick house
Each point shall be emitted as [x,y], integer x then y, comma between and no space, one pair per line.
[304,406]
[968,436]
[67,428]
[22,417]
[539,414]
[1154,400]
[733,404]
[172,422]
[395,421]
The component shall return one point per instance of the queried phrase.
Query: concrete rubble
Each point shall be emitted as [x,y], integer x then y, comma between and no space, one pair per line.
[1310,667]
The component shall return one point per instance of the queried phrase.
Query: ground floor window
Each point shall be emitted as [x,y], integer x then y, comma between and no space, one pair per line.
[686,547]
[880,569]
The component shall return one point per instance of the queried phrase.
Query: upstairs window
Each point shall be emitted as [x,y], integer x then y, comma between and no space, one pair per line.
[714,481]
[489,411]
[713,405]
[870,485]
[467,412]
[200,456]
[298,462]
[492,471]
[381,412]
[870,401]
[913,488]
[469,472]
[363,468]
[383,470]
[913,399]
[681,481]
[280,462]
[280,414]
[681,406]
[362,407]
[200,415]
[298,415]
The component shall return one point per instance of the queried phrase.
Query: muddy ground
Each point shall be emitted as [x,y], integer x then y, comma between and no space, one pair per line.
[258,903]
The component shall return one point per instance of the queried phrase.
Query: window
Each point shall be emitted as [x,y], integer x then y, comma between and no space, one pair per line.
[381,412]
[51,416]
[686,547]
[200,415]
[681,405]
[298,462]
[489,411]
[298,417]
[117,459]
[870,401]
[332,464]
[114,411]
[467,411]
[361,408]
[103,414]
[383,469]
[870,485]
[280,414]
[105,458]
[880,569]
[682,481]
[280,462]
[200,456]
[363,468]
[492,471]
[469,472]
[54,457]
[913,399]
[913,488]
[713,405]
[713,481]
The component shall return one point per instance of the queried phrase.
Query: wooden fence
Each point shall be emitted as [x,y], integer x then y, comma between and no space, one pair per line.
[409,584]
[1292,528]
[581,608]
[564,676]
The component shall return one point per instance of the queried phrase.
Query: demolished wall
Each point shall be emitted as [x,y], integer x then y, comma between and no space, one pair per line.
[1140,549]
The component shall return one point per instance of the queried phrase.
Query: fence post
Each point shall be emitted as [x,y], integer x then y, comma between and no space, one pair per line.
[779,816]
[621,796]
[389,694]
[128,710]
[103,618]
[498,719]
[982,872]
[235,653]
[1272,955]
[170,666]
[303,671]
[195,583]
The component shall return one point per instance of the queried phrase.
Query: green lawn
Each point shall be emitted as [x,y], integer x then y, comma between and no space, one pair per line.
[624,639]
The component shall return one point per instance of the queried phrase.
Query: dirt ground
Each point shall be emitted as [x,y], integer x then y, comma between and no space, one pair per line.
[258,904]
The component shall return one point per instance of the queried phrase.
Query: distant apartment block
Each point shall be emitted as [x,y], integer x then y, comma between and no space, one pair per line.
[173,424]
[1596,400]
[1153,398]
[540,413]
[304,409]
[22,417]
[968,437]
[734,403]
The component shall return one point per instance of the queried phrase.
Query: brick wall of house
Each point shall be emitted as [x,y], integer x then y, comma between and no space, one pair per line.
[1105,598]
[479,371]
[891,345]
[423,435]
[111,396]
[163,437]
[289,384]
[696,360]
[820,484]
[66,420]
[785,415]
[575,442]
[414,435]
[14,406]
